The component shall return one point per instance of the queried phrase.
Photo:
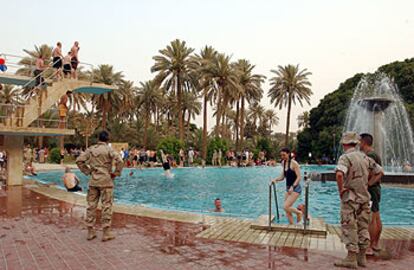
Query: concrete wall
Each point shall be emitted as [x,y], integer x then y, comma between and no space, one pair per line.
[14,148]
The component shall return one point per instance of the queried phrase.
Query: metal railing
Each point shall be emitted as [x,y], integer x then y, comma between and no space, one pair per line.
[273,189]
[48,73]
[11,114]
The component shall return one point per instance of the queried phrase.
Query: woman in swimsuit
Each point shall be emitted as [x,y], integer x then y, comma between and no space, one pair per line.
[290,172]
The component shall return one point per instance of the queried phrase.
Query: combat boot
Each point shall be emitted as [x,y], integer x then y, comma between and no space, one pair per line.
[91,233]
[349,262]
[107,235]
[362,258]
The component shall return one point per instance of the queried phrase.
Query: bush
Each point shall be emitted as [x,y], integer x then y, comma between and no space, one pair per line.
[216,144]
[170,145]
[264,144]
[54,156]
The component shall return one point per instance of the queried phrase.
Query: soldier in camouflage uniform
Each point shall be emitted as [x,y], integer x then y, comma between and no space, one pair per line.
[352,173]
[97,162]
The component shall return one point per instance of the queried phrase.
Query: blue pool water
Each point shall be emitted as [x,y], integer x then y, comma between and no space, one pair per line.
[243,191]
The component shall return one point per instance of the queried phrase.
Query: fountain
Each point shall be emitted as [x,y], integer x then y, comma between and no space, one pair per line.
[377,108]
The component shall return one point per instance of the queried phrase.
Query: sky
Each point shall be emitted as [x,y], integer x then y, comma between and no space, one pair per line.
[332,39]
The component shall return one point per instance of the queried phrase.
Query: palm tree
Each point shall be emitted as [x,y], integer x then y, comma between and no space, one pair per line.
[127,95]
[149,96]
[223,76]
[251,91]
[191,106]
[289,85]
[270,119]
[173,67]
[29,61]
[106,102]
[205,85]
[256,112]
[10,95]
[303,120]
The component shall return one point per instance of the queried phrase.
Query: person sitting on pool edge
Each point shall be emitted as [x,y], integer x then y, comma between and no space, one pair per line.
[71,181]
[217,204]
[290,172]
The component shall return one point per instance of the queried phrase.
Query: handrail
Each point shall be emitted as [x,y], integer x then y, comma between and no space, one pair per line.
[32,64]
[272,185]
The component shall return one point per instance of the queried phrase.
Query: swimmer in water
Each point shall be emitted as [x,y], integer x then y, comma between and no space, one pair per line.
[166,165]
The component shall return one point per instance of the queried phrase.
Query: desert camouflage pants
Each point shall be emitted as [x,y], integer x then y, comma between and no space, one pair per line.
[106,197]
[354,221]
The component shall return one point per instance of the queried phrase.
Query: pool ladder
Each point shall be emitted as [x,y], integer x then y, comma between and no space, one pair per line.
[272,189]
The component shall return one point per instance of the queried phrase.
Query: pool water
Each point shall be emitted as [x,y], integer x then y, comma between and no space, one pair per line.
[243,191]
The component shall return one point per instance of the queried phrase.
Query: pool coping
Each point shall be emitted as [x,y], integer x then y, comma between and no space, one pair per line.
[56,193]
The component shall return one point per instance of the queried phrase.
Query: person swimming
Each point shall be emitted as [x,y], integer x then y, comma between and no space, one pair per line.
[166,165]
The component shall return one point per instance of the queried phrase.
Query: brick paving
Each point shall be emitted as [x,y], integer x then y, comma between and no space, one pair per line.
[37,232]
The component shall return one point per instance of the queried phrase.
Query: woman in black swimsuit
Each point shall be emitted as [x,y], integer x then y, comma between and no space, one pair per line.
[290,172]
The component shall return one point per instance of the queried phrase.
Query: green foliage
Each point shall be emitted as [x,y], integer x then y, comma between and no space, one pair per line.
[328,117]
[54,155]
[170,145]
[216,144]
[264,144]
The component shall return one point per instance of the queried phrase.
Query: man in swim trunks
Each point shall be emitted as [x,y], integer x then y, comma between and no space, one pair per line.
[67,67]
[57,60]
[63,109]
[71,181]
[75,60]
[374,189]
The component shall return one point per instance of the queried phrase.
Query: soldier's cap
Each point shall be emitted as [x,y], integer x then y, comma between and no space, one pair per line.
[350,138]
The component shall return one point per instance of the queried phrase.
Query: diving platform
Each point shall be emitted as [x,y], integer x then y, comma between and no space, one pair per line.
[33,131]
[24,118]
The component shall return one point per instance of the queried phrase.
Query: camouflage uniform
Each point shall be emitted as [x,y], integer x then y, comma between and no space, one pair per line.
[355,209]
[97,161]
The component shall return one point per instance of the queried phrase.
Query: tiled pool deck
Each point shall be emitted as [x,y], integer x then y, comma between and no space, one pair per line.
[42,228]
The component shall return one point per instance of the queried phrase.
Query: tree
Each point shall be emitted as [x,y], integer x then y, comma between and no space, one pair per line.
[270,119]
[149,96]
[173,67]
[190,106]
[251,91]
[223,76]
[106,102]
[205,85]
[303,120]
[289,85]
[29,61]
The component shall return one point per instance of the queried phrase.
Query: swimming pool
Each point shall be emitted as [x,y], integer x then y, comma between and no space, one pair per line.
[243,192]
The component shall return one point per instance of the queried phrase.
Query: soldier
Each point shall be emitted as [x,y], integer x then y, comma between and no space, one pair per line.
[352,173]
[97,161]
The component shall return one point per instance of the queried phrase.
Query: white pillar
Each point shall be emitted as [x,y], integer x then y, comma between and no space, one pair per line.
[14,149]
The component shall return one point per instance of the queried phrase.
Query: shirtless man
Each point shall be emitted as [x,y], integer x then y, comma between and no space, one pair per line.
[75,60]
[40,81]
[63,109]
[57,60]
[71,181]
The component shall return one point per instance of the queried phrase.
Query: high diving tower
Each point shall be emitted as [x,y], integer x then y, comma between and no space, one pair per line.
[17,121]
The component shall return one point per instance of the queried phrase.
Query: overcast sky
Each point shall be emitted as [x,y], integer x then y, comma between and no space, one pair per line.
[332,39]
